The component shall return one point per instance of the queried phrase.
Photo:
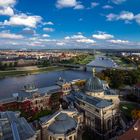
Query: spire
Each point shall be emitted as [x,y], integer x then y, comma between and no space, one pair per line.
[94,71]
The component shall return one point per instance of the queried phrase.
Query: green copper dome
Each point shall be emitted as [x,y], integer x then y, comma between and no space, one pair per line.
[94,84]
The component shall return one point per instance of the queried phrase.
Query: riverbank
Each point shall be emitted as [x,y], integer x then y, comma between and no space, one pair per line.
[11,73]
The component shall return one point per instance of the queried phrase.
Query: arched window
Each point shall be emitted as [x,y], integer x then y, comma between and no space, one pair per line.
[109,126]
[51,138]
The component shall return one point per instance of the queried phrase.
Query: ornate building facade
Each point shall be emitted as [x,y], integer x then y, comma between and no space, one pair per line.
[101,115]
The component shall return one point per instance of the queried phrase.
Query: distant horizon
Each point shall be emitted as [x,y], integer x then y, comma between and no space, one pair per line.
[69,24]
[71,49]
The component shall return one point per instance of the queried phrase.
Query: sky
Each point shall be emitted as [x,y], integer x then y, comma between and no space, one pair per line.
[68,24]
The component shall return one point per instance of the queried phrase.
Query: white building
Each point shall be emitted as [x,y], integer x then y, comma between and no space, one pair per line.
[101,112]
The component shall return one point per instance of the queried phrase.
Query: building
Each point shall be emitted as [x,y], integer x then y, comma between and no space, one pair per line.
[65,86]
[78,84]
[100,89]
[14,127]
[47,98]
[40,99]
[62,125]
[101,113]
[133,133]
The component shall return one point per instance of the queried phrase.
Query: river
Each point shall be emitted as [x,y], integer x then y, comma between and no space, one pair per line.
[11,85]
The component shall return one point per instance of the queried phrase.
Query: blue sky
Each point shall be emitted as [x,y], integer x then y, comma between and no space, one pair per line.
[43,24]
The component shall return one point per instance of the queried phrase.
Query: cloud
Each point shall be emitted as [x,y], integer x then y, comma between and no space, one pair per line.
[118,41]
[111,17]
[79,6]
[23,20]
[6,7]
[6,3]
[28,31]
[79,38]
[69,4]
[48,29]
[6,35]
[107,7]
[118,1]
[102,36]
[6,11]
[48,23]
[94,4]
[45,35]
[86,40]
[60,43]
[9,40]
[137,18]
[124,16]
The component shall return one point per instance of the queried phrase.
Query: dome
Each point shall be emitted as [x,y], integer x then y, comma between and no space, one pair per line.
[62,124]
[94,84]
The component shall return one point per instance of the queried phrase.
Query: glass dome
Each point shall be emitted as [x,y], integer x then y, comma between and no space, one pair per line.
[94,84]
[63,124]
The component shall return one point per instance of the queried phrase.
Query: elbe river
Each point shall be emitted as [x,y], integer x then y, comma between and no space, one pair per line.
[11,85]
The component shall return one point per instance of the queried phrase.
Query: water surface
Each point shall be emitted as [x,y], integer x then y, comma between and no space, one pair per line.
[11,85]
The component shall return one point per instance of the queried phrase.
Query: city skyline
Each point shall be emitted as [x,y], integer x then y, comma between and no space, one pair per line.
[68,24]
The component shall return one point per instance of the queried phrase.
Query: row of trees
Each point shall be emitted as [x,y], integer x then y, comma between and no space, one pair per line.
[120,78]
[44,63]
[6,66]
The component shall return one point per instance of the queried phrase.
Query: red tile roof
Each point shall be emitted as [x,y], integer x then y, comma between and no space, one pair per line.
[133,133]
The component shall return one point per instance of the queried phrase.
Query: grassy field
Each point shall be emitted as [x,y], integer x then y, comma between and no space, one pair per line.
[127,108]
[120,62]
[88,59]
[4,74]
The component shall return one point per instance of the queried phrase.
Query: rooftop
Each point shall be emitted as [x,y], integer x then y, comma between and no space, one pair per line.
[49,90]
[133,133]
[63,124]
[24,95]
[13,127]
[98,102]
[94,84]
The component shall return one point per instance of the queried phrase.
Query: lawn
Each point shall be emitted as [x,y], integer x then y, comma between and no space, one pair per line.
[120,62]
[88,59]
[83,59]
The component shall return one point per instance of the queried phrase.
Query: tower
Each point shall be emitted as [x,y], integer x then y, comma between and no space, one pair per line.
[94,71]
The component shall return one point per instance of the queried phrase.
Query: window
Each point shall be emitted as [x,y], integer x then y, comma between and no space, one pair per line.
[74,137]
[51,138]
[70,138]
[109,124]
[97,110]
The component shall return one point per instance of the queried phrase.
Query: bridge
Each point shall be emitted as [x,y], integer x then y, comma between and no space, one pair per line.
[84,67]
